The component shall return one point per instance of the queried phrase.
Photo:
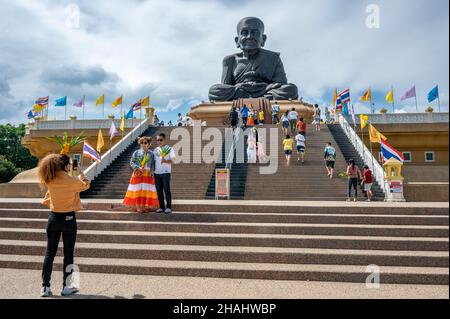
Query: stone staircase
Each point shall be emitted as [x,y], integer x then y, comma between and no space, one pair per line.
[298,181]
[189,181]
[246,240]
[238,173]
[349,152]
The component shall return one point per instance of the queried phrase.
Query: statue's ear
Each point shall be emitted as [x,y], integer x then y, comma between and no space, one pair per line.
[236,39]
[264,40]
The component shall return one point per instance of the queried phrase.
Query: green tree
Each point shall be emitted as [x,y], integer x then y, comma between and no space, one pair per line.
[7,170]
[12,150]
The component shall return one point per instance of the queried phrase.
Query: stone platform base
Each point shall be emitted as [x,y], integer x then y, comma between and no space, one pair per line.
[216,113]
[24,185]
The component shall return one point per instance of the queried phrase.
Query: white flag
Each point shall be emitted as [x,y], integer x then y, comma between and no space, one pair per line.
[113,131]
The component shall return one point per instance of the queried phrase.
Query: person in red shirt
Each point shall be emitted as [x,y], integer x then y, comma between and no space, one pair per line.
[368,181]
[301,127]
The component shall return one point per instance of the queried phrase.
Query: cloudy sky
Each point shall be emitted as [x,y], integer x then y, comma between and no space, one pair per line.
[172,50]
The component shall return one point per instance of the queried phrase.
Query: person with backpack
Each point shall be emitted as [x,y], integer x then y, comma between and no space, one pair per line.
[285,123]
[293,118]
[330,159]
[244,113]
[234,117]
[275,111]
[301,147]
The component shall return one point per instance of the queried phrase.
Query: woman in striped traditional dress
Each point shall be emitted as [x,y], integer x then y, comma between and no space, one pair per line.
[141,194]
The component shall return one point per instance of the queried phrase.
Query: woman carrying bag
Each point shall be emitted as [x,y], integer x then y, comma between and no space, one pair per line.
[63,199]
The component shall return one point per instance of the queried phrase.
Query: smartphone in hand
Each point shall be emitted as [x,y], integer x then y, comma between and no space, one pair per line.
[75,165]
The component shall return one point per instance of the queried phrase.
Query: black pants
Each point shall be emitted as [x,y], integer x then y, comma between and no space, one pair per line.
[162,183]
[353,182]
[65,224]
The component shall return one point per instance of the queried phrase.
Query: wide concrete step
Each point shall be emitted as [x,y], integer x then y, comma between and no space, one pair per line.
[269,207]
[302,218]
[270,271]
[242,228]
[237,254]
[247,240]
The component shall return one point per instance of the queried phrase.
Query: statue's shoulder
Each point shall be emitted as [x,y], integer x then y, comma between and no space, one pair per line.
[230,58]
[270,54]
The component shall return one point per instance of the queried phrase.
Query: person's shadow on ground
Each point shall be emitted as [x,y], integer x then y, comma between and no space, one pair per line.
[84,296]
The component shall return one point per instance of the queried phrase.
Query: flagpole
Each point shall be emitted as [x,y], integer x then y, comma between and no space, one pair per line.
[362,137]
[103,107]
[417,108]
[84,102]
[140,120]
[371,149]
[122,117]
[393,102]
[121,108]
[371,103]
[65,112]
[439,103]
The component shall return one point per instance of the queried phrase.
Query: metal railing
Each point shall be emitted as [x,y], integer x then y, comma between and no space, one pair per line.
[97,167]
[81,124]
[405,118]
[363,151]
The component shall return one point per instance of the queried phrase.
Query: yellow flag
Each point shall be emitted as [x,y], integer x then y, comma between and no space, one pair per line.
[100,100]
[333,103]
[390,97]
[100,141]
[122,123]
[39,107]
[118,101]
[366,96]
[145,101]
[375,136]
[363,120]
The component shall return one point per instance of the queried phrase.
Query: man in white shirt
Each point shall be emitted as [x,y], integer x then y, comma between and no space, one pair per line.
[293,116]
[301,147]
[164,155]
[275,111]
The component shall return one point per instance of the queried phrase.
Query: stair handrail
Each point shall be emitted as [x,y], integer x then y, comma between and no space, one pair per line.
[363,151]
[97,167]
[230,157]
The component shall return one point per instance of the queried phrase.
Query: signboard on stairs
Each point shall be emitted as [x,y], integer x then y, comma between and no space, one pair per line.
[222,183]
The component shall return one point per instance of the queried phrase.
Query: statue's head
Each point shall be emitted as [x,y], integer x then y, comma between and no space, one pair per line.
[250,34]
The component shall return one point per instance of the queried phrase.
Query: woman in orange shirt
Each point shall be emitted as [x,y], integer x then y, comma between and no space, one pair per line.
[63,198]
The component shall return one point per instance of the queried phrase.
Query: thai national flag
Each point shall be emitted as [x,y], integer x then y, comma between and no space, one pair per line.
[388,152]
[342,99]
[89,151]
[42,100]
[137,106]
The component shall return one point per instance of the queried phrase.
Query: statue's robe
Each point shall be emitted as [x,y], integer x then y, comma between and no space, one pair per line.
[256,74]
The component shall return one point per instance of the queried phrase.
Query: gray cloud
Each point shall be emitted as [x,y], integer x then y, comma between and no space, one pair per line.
[78,75]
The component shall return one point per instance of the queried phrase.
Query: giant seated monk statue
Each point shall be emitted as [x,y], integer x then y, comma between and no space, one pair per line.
[255,72]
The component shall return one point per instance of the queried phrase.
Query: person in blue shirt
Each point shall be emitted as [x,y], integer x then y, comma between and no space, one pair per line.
[244,113]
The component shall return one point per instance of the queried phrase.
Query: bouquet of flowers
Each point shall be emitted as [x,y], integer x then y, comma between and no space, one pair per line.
[343,175]
[165,151]
[142,162]
[65,143]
